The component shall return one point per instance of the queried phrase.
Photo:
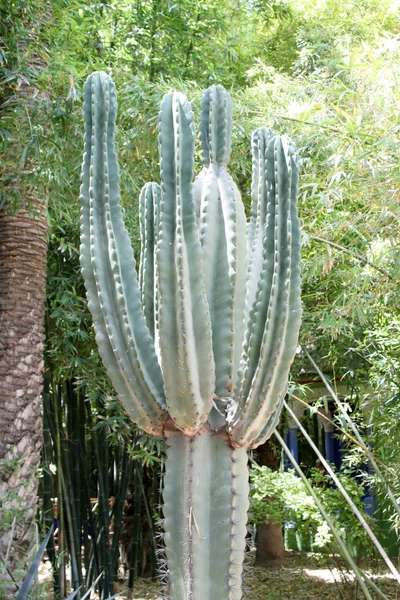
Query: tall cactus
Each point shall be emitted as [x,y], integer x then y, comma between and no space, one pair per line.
[199,348]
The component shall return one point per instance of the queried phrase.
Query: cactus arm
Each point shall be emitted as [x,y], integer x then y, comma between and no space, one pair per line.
[258,313]
[223,237]
[218,284]
[156,214]
[258,212]
[241,281]
[184,320]
[122,387]
[235,231]
[208,481]
[215,138]
[109,269]
[199,185]
[271,423]
[222,233]
[259,143]
[263,209]
[276,311]
[216,126]
[149,201]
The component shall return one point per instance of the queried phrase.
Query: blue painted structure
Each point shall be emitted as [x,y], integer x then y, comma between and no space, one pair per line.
[329,447]
[292,442]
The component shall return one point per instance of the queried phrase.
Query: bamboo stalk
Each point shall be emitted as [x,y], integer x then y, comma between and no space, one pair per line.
[47,452]
[92,564]
[60,504]
[75,450]
[101,456]
[70,536]
[85,496]
[151,523]
[73,531]
[97,558]
[108,566]
[135,530]
[154,503]
[127,467]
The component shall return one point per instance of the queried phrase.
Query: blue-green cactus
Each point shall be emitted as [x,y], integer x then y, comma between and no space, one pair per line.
[199,348]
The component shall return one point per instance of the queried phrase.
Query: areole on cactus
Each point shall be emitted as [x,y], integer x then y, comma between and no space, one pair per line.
[199,346]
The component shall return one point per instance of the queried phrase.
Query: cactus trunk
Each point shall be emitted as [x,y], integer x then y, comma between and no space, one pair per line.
[206,493]
[200,345]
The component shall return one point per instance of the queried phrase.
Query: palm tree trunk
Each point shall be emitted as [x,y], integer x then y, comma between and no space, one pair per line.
[23,244]
[23,254]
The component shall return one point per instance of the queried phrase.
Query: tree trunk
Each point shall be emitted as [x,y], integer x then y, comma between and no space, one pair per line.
[23,243]
[270,547]
[23,254]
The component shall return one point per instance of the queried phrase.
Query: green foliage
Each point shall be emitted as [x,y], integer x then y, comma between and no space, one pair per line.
[282,497]
[326,72]
[314,37]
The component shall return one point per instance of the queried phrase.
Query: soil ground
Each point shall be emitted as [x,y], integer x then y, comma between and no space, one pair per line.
[304,577]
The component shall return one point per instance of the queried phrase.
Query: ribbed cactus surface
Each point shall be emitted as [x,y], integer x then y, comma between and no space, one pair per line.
[199,346]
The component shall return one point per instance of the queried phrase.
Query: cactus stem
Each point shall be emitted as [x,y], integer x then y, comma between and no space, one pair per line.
[199,473]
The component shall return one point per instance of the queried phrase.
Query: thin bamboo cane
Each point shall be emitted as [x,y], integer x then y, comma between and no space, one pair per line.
[47,455]
[127,467]
[93,564]
[154,504]
[150,521]
[75,450]
[99,443]
[96,565]
[70,535]
[84,489]
[71,472]
[108,566]
[73,529]
[136,529]
[60,503]
[91,551]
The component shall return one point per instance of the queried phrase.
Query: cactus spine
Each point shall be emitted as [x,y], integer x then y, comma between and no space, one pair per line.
[200,345]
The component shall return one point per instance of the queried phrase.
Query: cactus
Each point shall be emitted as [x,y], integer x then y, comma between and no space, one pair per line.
[200,345]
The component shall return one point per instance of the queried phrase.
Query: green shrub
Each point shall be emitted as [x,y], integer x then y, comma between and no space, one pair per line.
[283,498]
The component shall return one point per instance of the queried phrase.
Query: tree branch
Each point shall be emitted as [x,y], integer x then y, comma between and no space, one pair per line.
[359,257]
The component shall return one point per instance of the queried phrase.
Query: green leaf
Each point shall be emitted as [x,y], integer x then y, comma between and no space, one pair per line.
[29,579]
